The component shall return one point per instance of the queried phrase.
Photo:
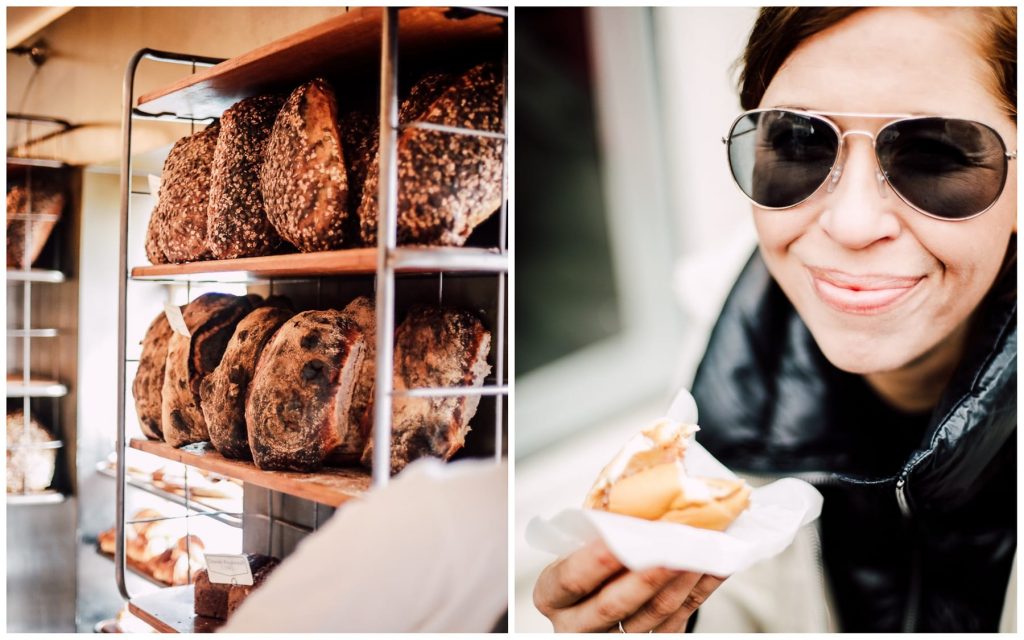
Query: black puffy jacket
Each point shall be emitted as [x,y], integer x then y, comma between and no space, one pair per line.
[918,527]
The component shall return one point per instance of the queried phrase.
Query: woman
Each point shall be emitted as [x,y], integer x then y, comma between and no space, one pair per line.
[870,345]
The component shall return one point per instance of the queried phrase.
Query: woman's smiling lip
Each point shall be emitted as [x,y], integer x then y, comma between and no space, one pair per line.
[860,294]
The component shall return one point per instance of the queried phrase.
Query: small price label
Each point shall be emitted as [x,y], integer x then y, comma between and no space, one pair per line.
[173,313]
[224,568]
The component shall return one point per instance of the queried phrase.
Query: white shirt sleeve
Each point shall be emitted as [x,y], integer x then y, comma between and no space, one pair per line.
[429,553]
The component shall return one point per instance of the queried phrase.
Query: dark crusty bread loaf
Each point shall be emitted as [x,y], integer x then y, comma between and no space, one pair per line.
[237,222]
[261,570]
[359,145]
[223,392]
[211,319]
[178,225]
[220,600]
[303,178]
[147,388]
[447,183]
[357,430]
[40,194]
[434,347]
[296,411]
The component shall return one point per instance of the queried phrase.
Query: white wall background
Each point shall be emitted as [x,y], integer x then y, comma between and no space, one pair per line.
[694,51]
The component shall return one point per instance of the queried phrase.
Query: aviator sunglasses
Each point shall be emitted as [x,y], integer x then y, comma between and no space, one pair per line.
[946,168]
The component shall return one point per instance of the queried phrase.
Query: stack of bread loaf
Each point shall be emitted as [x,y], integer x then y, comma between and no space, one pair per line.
[279,173]
[293,391]
[154,546]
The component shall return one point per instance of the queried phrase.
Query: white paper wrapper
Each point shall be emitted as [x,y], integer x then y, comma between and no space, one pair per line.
[776,512]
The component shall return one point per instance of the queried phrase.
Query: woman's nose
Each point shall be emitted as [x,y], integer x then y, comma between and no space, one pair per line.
[859,210]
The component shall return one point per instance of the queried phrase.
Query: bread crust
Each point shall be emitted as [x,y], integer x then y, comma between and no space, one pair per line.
[434,347]
[147,388]
[211,320]
[237,221]
[303,177]
[296,410]
[177,230]
[447,184]
[223,393]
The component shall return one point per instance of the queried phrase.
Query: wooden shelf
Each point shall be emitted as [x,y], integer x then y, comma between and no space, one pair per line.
[171,610]
[36,388]
[349,41]
[327,263]
[331,486]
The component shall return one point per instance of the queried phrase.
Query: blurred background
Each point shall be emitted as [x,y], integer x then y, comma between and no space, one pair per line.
[629,235]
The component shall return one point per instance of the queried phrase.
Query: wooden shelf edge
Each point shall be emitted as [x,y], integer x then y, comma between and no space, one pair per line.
[172,610]
[329,263]
[330,486]
[349,40]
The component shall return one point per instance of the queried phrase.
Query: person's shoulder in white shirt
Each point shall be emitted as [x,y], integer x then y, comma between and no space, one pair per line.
[427,553]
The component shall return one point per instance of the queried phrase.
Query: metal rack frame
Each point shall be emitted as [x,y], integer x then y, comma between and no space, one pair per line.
[26,275]
[389,258]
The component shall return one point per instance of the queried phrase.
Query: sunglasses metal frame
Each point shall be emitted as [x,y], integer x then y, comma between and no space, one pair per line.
[891,118]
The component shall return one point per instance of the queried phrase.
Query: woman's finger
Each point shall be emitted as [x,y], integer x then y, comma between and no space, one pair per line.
[574,577]
[697,596]
[663,604]
[617,600]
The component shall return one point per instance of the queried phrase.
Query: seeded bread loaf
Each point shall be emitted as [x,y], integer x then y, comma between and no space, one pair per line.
[147,388]
[223,392]
[296,411]
[211,319]
[303,178]
[447,183]
[422,94]
[434,347]
[177,229]
[236,220]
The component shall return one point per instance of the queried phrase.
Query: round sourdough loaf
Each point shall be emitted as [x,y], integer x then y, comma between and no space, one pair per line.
[298,400]
[303,178]
[434,347]
[223,392]
[237,221]
[211,319]
[147,388]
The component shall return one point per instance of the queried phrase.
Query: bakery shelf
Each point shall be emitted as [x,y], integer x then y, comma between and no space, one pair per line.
[32,333]
[38,497]
[36,387]
[331,486]
[195,504]
[451,392]
[326,263]
[35,275]
[349,41]
[171,610]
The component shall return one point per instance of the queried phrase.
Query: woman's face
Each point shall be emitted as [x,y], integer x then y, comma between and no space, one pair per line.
[880,285]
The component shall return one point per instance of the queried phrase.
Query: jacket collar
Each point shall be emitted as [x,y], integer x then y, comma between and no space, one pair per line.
[771,403]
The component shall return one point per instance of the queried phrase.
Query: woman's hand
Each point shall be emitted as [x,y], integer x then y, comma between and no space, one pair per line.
[590,590]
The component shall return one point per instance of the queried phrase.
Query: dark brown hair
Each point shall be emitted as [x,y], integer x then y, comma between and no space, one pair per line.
[779,30]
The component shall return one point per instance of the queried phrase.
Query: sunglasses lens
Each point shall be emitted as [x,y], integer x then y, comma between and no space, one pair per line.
[780,158]
[949,168]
